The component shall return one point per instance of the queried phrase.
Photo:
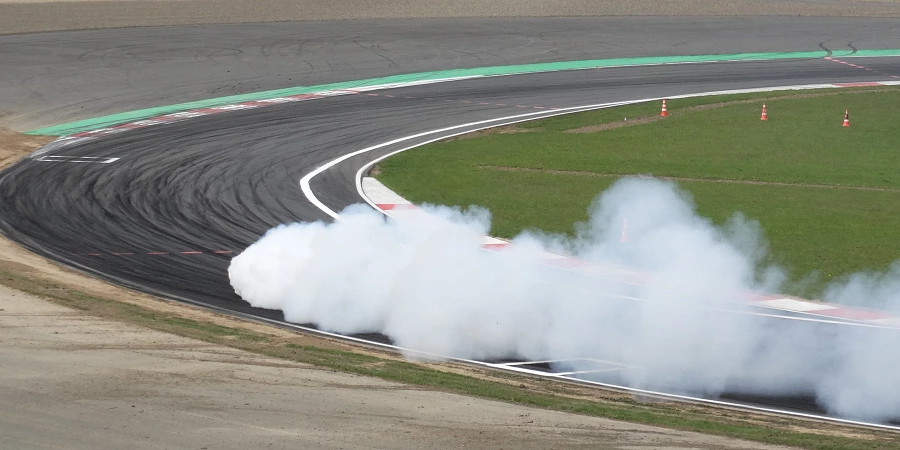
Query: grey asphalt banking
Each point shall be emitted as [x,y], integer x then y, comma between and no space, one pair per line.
[51,78]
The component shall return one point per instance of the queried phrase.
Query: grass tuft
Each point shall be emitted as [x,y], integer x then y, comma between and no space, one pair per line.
[827,197]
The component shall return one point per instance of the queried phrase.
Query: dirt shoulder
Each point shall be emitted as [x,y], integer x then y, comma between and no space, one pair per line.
[23,16]
[106,385]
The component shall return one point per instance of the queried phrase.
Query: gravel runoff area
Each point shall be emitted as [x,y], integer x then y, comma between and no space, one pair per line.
[21,16]
[73,381]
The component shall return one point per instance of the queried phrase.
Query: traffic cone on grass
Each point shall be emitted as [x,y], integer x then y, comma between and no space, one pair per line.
[847,118]
[664,112]
[765,115]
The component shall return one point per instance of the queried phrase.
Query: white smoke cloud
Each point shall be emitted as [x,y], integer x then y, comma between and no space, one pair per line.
[868,289]
[683,326]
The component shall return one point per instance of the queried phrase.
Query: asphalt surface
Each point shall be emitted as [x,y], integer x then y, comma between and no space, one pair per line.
[161,218]
[51,78]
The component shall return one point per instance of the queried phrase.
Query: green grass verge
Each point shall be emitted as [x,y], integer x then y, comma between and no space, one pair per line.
[832,208]
[512,388]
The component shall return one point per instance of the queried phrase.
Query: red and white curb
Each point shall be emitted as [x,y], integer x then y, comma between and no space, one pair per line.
[826,310]
[253,104]
[201,112]
[393,205]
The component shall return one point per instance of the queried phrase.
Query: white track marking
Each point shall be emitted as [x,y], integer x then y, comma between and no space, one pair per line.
[483,124]
[591,383]
[480,125]
[77,159]
[491,123]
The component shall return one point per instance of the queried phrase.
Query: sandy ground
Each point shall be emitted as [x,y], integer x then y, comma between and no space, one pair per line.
[20,16]
[104,384]
[72,381]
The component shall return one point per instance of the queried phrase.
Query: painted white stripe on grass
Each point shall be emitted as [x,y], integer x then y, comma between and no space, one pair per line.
[649,393]
[310,195]
[537,116]
[789,304]
[467,127]
[381,193]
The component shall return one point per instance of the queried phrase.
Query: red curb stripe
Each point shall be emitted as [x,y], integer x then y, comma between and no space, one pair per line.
[395,206]
[223,252]
[862,84]
[122,254]
[494,246]
[192,253]
[158,253]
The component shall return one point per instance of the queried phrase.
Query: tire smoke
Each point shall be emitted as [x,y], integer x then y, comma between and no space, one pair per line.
[661,306]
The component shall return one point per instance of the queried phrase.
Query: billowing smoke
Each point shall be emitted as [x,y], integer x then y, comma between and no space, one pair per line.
[657,303]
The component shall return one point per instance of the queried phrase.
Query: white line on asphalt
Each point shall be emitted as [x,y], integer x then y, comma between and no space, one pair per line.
[77,159]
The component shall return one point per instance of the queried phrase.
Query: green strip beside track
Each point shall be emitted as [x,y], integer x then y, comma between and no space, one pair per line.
[105,121]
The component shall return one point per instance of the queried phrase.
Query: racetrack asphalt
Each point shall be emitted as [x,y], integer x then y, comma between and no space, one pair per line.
[51,78]
[164,216]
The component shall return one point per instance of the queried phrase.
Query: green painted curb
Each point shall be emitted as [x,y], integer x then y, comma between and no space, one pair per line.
[105,121]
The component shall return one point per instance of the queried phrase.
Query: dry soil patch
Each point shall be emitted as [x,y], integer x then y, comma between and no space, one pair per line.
[106,385]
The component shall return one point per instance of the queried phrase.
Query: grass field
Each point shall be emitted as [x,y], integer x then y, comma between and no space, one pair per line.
[827,197]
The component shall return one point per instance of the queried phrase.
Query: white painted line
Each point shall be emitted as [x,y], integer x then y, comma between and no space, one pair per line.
[531,363]
[575,380]
[497,366]
[77,159]
[580,372]
[805,307]
[483,124]
[380,191]
[789,304]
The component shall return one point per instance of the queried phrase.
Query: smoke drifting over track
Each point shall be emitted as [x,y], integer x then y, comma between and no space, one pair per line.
[679,325]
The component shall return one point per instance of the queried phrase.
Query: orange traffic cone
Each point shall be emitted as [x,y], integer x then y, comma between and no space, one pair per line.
[665,112]
[765,115]
[847,118]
